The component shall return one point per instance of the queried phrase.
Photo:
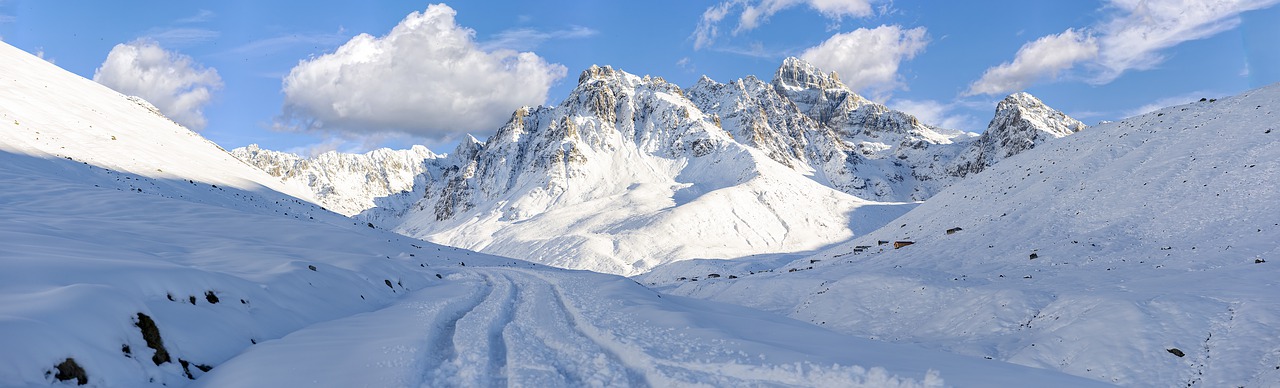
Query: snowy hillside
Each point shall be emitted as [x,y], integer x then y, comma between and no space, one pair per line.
[158,264]
[631,172]
[98,126]
[1141,252]
[347,183]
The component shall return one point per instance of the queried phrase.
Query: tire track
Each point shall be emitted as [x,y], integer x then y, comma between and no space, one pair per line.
[480,349]
[443,343]
[633,366]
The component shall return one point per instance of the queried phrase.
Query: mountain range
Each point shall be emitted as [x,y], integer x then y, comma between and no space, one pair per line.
[631,172]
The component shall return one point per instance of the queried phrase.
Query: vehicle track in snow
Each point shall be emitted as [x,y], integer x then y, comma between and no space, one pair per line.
[523,332]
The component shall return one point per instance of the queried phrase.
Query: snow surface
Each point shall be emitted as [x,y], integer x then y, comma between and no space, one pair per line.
[250,287]
[1095,255]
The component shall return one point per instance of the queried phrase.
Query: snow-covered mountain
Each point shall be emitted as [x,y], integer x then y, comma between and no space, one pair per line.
[1021,122]
[347,183]
[811,121]
[157,259]
[1140,252]
[625,174]
[629,172]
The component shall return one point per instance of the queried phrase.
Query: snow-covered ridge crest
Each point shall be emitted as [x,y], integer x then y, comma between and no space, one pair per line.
[347,183]
[101,127]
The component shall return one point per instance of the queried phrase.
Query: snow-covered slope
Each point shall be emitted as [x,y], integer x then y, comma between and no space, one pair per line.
[109,277]
[99,126]
[1141,252]
[347,183]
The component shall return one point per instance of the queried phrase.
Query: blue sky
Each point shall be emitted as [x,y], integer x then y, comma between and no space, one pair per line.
[299,76]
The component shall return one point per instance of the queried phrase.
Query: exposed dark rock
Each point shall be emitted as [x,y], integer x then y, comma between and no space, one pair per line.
[69,369]
[151,334]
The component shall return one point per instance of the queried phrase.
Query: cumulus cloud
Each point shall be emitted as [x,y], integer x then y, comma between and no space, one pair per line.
[754,13]
[173,82]
[1042,58]
[427,77]
[868,59]
[1131,36]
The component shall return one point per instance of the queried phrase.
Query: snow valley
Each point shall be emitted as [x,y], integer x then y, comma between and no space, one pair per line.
[781,233]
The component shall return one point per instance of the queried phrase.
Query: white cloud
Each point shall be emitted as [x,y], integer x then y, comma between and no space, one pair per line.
[938,114]
[868,58]
[182,36]
[524,39]
[7,18]
[173,82]
[202,16]
[754,13]
[1133,38]
[277,43]
[427,77]
[1040,59]
[708,27]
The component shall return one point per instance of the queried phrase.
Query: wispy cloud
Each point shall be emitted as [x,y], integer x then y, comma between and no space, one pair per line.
[7,18]
[181,37]
[527,39]
[1132,35]
[754,49]
[754,13]
[1137,32]
[283,42]
[1166,102]
[200,17]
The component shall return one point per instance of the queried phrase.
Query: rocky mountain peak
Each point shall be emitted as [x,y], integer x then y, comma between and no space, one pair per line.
[1021,111]
[797,73]
[596,72]
[1021,122]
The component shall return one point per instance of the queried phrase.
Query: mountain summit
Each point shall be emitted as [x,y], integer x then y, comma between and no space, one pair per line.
[1021,122]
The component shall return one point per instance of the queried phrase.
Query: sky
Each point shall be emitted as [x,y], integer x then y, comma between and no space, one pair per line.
[314,76]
